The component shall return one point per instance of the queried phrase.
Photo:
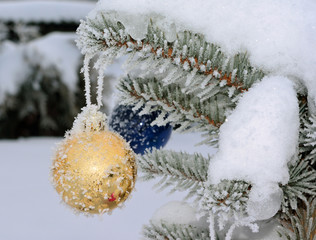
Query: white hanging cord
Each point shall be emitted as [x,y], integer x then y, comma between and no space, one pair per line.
[229,234]
[100,87]
[212,227]
[100,66]
[86,75]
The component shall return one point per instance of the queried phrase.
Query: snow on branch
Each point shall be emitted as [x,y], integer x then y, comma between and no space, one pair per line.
[199,62]
[257,142]
[278,36]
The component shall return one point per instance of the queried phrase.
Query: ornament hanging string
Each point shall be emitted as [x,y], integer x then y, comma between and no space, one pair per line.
[86,76]
[100,65]
[212,227]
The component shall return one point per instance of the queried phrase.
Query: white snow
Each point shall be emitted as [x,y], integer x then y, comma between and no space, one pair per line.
[59,50]
[44,11]
[258,140]
[177,212]
[279,36]
[264,201]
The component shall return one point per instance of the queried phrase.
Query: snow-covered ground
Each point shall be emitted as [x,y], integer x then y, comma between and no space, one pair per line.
[30,208]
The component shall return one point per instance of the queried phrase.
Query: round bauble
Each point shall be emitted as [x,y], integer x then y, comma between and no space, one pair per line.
[94,171]
[137,130]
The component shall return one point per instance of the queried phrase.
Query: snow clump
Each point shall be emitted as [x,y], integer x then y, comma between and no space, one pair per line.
[257,141]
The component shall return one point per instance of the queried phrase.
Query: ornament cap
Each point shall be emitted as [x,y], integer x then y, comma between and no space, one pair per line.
[90,120]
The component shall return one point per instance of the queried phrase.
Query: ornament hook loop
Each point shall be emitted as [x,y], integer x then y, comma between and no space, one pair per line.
[90,120]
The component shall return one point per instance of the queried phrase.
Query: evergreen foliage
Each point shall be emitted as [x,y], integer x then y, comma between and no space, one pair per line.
[310,141]
[195,86]
[302,184]
[180,170]
[185,111]
[203,63]
[165,231]
[225,199]
[302,224]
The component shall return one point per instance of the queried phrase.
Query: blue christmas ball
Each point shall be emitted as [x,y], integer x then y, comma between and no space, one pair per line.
[137,130]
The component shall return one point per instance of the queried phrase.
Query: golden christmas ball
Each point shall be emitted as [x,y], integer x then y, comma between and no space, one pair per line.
[94,170]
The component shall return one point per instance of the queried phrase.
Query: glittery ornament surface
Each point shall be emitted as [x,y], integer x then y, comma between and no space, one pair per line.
[94,171]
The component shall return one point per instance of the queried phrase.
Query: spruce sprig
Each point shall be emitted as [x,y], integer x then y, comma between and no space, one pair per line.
[203,61]
[302,222]
[178,170]
[171,99]
[309,141]
[301,185]
[166,231]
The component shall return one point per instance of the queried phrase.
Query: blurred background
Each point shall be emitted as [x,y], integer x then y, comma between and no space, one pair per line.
[41,88]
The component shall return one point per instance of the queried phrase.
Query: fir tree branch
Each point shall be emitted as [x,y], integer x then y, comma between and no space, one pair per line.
[182,171]
[186,107]
[186,112]
[225,198]
[309,140]
[165,231]
[302,184]
[304,121]
[302,222]
[189,52]
[185,172]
